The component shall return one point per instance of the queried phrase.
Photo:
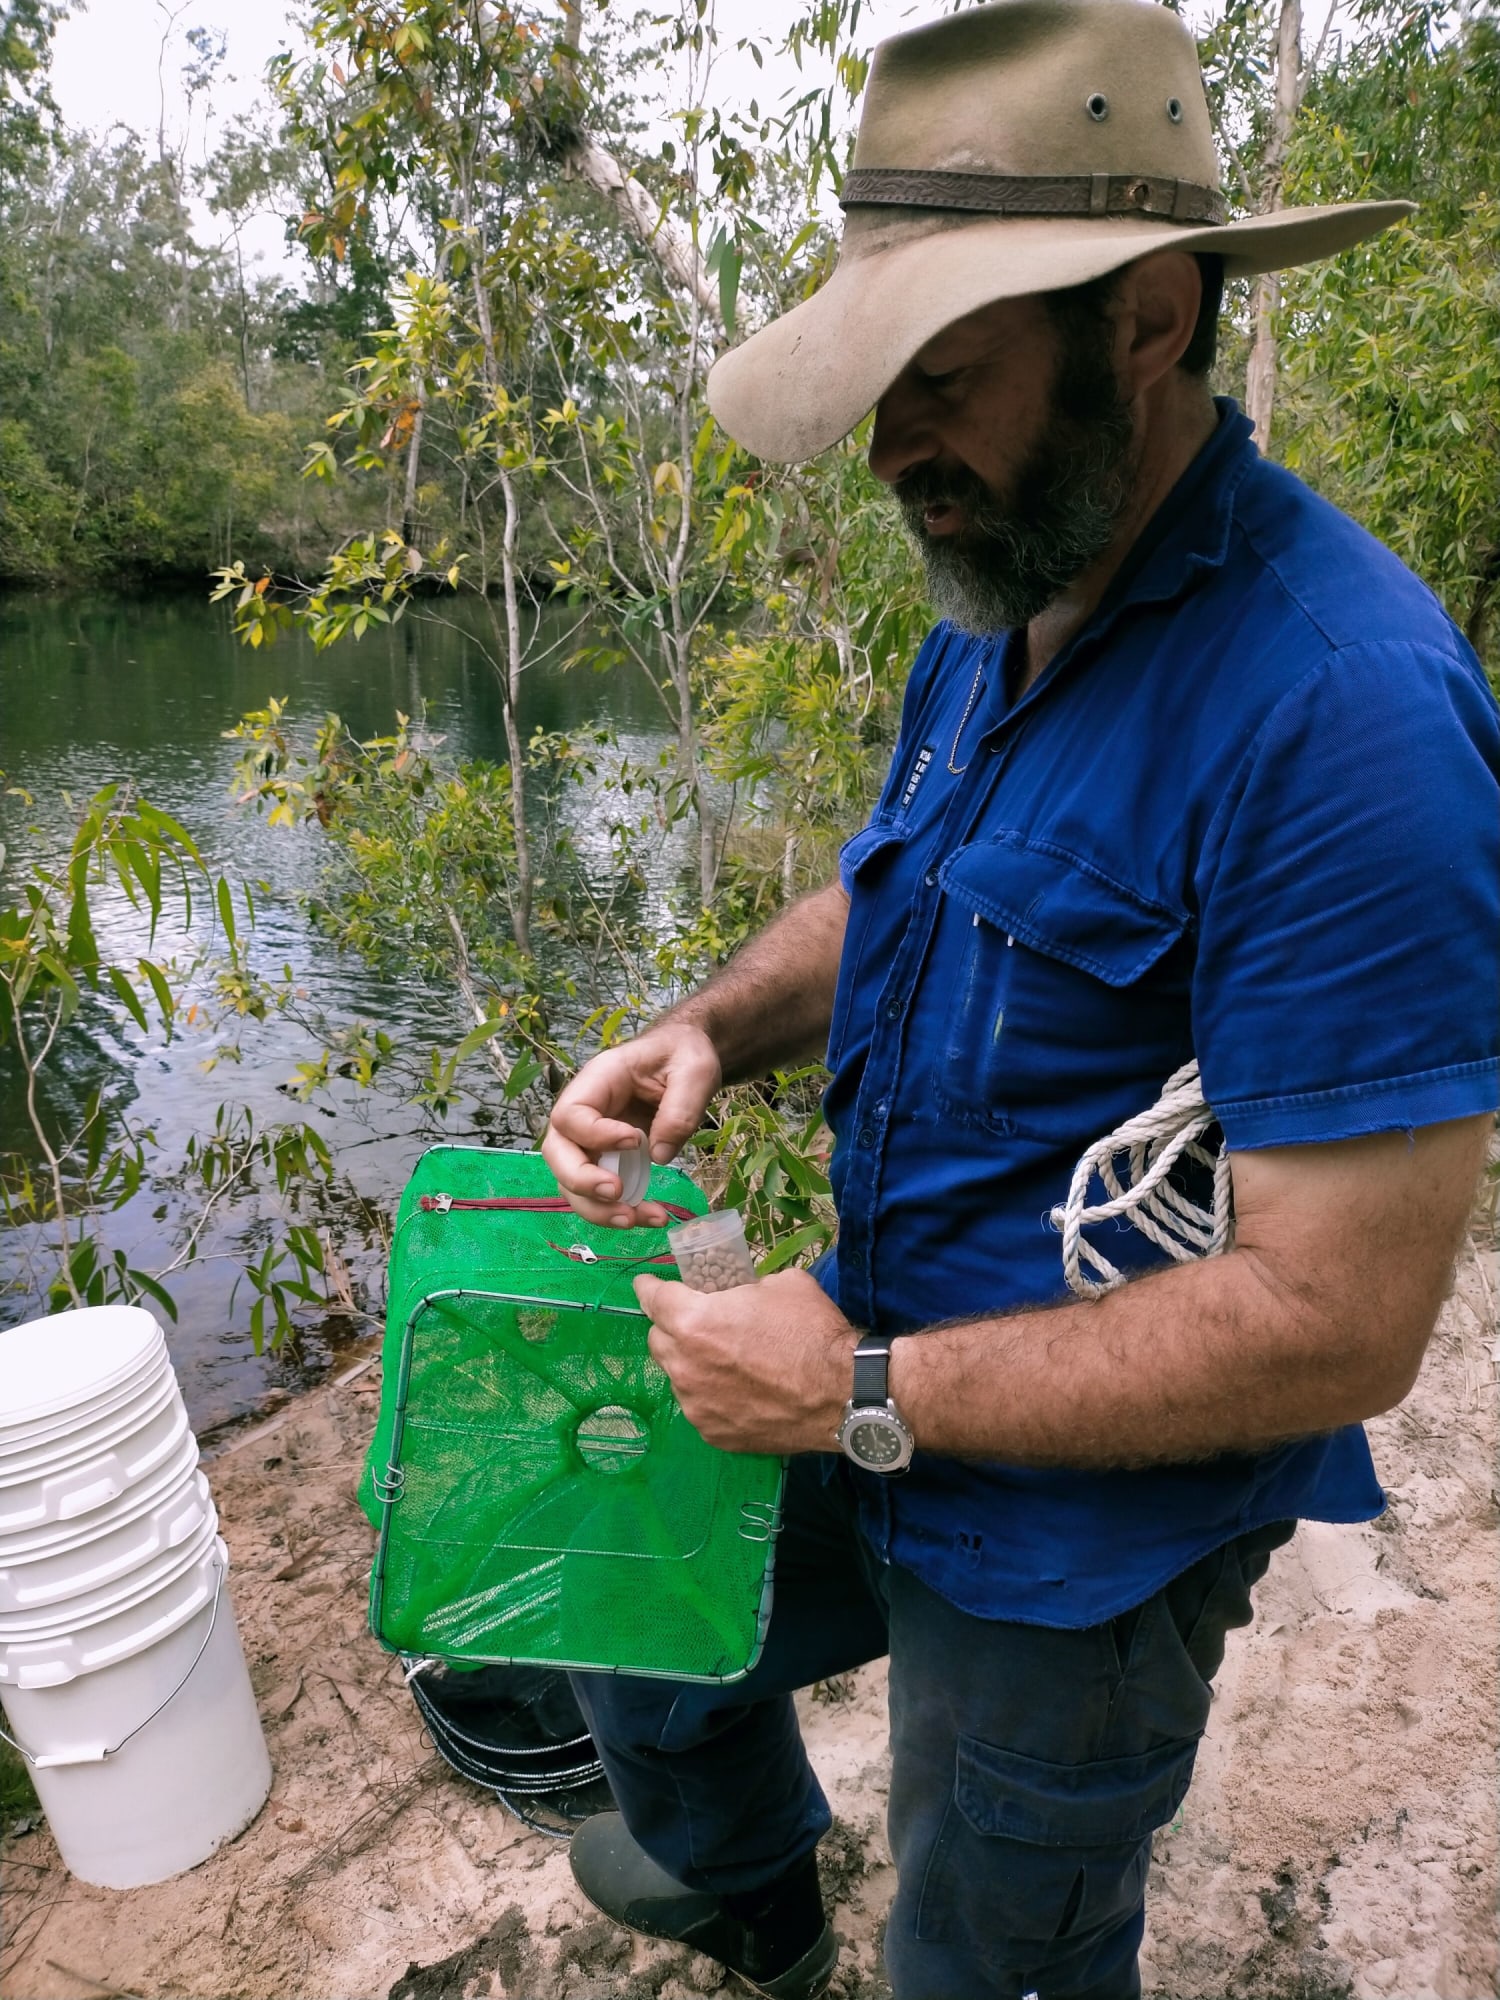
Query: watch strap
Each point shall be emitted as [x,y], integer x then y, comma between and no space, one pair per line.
[872,1360]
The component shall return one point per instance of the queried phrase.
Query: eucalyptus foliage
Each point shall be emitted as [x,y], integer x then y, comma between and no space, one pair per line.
[79,1162]
[1392,351]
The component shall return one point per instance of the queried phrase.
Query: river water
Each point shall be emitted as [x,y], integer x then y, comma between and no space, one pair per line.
[95,691]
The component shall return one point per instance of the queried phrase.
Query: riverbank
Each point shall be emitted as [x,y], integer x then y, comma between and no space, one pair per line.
[1339,1842]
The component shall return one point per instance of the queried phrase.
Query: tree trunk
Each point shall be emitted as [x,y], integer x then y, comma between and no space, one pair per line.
[413,464]
[678,642]
[642,215]
[1260,376]
[789,846]
[520,911]
[515,645]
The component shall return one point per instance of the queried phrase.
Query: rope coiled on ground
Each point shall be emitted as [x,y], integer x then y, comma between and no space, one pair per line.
[1134,1163]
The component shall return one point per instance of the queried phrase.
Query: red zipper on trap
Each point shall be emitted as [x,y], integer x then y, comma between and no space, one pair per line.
[578,1253]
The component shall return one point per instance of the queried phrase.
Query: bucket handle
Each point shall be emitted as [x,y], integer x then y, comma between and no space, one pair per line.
[97,1754]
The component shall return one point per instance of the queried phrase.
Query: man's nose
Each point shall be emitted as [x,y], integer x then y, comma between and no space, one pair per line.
[903,437]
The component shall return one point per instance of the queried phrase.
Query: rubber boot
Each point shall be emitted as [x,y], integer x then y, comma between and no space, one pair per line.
[775,1939]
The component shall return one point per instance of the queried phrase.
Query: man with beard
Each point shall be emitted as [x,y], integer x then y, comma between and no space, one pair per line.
[1190,768]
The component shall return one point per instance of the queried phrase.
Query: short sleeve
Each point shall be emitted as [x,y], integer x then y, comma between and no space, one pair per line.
[1348,970]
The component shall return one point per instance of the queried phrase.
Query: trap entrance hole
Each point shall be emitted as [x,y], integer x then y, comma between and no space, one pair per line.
[612,1439]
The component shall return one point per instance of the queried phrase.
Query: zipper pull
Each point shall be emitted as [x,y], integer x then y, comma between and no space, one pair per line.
[581,1254]
[436,1204]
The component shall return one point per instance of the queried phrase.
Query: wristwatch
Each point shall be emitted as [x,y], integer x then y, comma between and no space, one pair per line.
[873,1432]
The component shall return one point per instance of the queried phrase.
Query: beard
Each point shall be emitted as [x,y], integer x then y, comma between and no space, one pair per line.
[1017,550]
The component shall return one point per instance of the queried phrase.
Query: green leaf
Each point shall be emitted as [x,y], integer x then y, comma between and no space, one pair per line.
[174,832]
[83,949]
[225,902]
[163,992]
[790,1247]
[477,1037]
[144,1282]
[126,994]
[525,1073]
[731,263]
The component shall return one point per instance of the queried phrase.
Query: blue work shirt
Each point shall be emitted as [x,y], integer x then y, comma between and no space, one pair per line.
[1249,814]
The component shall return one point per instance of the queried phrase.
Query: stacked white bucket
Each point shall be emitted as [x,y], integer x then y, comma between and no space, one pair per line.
[121,1673]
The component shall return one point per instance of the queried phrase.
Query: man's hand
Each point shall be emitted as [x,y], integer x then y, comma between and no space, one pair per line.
[765,1367]
[770,1004]
[649,1092]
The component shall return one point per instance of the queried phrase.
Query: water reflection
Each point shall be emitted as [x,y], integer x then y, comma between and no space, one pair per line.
[97,691]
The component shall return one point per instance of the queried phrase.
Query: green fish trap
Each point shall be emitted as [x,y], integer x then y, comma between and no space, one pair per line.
[540,1497]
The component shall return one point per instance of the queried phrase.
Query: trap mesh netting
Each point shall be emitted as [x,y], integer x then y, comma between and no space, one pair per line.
[539,1494]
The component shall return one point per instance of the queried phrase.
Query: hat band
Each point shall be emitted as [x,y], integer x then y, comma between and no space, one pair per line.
[1035,194]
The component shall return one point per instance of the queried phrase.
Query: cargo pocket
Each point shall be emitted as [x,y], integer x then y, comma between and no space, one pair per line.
[863,861]
[1063,978]
[1039,1853]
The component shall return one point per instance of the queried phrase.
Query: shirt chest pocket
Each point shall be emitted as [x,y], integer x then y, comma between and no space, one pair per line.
[1068,998]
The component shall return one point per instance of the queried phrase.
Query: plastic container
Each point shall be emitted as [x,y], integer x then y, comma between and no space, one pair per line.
[134,1553]
[70,1611]
[711,1251]
[139,1498]
[65,1652]
[62,1492]
[89,1439]
[56,1366]
[173,1790]
[41,1431]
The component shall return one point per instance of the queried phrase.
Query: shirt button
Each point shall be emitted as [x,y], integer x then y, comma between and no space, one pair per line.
[893,1008]
[867,1135]
[930,880]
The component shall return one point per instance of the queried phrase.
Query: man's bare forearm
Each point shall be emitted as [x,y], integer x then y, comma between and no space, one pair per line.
[773,1001]
[1177,1366]
[1317,1318]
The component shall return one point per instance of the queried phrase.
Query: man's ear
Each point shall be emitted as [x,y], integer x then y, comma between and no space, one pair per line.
[1159,298]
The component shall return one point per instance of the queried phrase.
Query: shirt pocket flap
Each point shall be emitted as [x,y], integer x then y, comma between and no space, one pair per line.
[1056,905]
[1108,1804]
[867,843]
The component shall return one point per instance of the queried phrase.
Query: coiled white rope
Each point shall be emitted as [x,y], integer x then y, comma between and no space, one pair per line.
[1134,1163]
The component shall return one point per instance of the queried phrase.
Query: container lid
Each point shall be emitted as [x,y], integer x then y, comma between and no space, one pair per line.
[123,1552]
[634,1170]
[156,1486]
[106,1600]
[61,1423]
[127,1630]
[93,1435]
[62,1492]
[51,1364]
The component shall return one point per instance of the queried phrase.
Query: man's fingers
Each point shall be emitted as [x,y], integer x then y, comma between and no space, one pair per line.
[647,1291]
[690,1083]
[592,1130]
[591,1191]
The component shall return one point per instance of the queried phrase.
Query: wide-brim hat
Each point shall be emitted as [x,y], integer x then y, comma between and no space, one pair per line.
[1020,147]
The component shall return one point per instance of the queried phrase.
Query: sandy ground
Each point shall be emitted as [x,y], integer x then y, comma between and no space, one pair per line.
[1339,1842]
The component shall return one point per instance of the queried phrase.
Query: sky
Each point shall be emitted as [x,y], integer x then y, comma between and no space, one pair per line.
[120,62]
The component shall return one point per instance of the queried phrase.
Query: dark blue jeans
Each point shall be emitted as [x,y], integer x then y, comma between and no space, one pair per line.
[1029,1767]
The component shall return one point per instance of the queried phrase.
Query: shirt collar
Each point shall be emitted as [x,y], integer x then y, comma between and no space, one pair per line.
[1191,528]
[1189,532]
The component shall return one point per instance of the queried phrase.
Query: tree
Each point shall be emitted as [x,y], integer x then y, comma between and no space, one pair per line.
[1392,402]
[82,1158]
[28,115]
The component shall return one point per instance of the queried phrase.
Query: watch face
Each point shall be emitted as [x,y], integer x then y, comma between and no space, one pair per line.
[877,1443]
